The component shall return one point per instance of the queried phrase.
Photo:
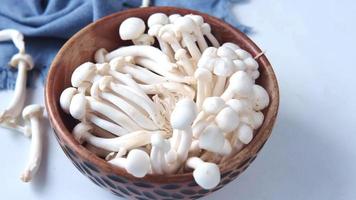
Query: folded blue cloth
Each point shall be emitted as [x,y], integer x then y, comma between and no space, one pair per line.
[47,24]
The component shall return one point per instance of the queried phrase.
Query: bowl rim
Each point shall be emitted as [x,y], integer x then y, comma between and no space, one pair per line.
[60,129]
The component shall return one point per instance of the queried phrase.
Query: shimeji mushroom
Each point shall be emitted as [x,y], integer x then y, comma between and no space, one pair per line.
[206,174]
[23,62]
[182,118]
[223,68]
[137,163]
[244,133]
[260,98]
[140,118]
[186,26]
[240,85]
[133,28]
[32,115]
[231,45]
[199,21]
[227,119]
[172,18]
[142,101]
[82,133]
[100,54]
[160,147]
[167,34]
[206,29]
[81,105]
[145,51]
[211,139]
[155,22]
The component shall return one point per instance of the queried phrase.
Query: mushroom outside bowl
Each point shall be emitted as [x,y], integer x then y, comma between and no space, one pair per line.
[104,34]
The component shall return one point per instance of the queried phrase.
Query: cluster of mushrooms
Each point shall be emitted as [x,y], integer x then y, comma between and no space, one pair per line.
[189,104]
[10,118]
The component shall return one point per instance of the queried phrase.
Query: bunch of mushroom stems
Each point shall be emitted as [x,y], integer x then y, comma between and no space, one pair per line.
[31,114]
[188,104]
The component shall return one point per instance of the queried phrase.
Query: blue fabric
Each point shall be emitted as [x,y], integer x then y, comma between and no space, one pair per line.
[47,24]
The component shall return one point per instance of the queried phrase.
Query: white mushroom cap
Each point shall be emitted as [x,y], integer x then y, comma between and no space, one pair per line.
[172,18]
[224,67]
[82,73]
[244,133]
[212,105]
[231,45]
[183,114]
[185,24]
[207,59]
[251,63]
[66,98]
[132,28]
[157,18]
[158,141]
[227,119]
[239,65]
[15,59]
[138,163]
[241,83]
[81,132]
[242,54]
[226,52]
[240,105]
[206,175]
[260,97]
[100,54]
[258,118]
[199,20]
[211,139]
[31,111]
[78,106]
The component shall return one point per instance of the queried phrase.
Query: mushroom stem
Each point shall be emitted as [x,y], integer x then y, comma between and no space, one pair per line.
[129,141]
[141,101]
[173,87]
[33,113]
[143,51]
[147,63]
[219,85]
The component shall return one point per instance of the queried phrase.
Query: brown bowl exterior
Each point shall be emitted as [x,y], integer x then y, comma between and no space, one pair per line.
[104,34]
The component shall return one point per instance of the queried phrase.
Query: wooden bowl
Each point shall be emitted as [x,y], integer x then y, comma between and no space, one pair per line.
[104,34]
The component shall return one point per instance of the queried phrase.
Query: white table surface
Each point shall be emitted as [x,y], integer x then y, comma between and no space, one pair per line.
[311,153]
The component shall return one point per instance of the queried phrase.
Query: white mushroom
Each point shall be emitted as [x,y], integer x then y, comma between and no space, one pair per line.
[211,139]
[186,27]
[206,175]
[66,98]
[260,98]
[168,35]
[100,54]
[132,28]
[172,18]
[182,118]
[137,163]
[244,133]
[159,148]
[136,139]
[199,21]
[223,68]
[240,85]
[206,29]
[227,119]
[231,45]
[242,54]
[32,115]
[23,62]
[160,88]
